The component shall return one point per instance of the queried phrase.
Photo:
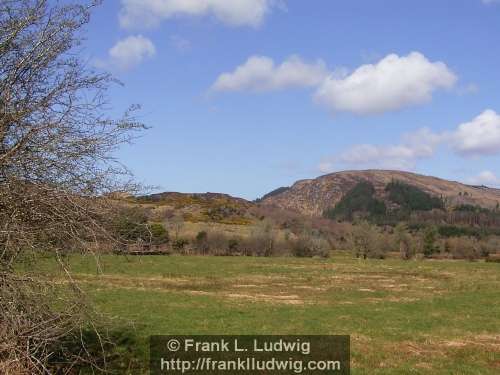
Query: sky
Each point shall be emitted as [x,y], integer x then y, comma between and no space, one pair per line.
[245,96]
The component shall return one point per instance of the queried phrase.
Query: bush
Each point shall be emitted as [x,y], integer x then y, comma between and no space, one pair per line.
[217,243]
[233,246]
[159,235]
[130,224]
[200,243]
[429,241]
[464,248]
[404,241]
[310,246]
[180,244]
[489,246]
[367,241]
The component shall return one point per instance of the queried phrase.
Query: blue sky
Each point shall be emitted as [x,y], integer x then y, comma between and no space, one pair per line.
[244,96]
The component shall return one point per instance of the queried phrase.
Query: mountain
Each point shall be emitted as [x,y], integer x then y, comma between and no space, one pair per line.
[312,197]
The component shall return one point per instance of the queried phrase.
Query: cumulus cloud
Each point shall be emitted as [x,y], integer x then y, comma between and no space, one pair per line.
[128,52]
[259,73]
[487,178]
[149,13]
[393,83]
[404,156]
[481,136]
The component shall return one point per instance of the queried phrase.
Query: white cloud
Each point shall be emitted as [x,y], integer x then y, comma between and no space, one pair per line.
[149,13]
[393,83]
[404,156]
[128,52]
[481,136]
[487,178]
[259,73]
[490,1]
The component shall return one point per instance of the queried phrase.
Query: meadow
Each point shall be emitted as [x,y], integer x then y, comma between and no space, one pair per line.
[404,317]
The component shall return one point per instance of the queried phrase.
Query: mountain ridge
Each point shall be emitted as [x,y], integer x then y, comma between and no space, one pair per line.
[313,196]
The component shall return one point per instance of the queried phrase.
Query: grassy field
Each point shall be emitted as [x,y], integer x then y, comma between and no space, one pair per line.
[414,317]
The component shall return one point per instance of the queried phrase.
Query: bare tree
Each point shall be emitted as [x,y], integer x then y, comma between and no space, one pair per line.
[404,241]
[56,165]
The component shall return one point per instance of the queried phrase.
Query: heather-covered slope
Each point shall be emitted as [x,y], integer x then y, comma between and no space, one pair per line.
[313,196]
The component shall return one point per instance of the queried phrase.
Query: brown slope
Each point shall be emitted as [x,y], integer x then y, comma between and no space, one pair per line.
[312,197]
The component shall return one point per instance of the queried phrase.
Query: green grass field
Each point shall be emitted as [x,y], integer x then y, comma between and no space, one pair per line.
[414,317]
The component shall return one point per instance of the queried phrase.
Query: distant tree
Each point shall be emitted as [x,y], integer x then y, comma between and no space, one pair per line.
[365,241]
[179,244]
[429,241]
[404,241]
[176,223]
[465,248]
[158,234]
[264,237]
[310,244]
[201,242]
[233,246]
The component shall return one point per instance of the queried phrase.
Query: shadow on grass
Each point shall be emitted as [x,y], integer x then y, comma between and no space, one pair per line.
[116,350]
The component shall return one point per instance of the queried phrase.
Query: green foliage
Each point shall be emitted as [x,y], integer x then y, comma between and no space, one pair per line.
[411,198]
[360,200]
[429,241]
[233,246]
[179,244]
[200,242]
[159,235]
[462,231]
[131,225]
[201,236]
[469,208]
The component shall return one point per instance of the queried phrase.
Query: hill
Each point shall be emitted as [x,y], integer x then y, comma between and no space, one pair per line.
[197,207]
[312,197]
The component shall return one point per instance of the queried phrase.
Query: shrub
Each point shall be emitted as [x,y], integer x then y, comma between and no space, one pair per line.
[217,243]
[179,244]
[464,248]
[130,224]
[200,243]
[366,241]
[404,241]
[159,235]
[233,246]
[429,241]
[489,246]
[310,246]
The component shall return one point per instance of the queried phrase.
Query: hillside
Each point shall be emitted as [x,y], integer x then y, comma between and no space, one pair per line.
[197,207]
[312,197]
